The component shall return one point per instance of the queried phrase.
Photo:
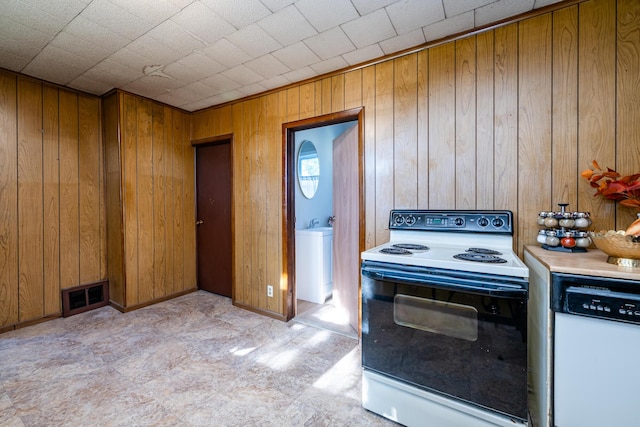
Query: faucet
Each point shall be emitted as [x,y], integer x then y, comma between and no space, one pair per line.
[313,222]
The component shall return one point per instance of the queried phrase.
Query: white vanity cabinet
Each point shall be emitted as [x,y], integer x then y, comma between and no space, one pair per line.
[314,264]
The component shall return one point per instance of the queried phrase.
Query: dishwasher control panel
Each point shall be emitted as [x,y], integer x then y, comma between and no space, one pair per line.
[605,304]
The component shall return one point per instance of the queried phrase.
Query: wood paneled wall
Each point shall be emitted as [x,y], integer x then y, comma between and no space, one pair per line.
[52,210]
[150,199]
[503,119]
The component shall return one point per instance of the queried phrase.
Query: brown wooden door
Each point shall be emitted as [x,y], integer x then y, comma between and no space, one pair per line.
[346,252]
[213,180]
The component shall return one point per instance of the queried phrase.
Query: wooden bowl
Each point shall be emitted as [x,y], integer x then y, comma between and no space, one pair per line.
[616,244]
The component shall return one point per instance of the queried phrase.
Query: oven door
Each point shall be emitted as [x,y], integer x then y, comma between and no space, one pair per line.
[461,335]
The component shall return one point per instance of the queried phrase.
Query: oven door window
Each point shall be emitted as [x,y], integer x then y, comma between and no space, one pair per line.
[463,345]
[439,317]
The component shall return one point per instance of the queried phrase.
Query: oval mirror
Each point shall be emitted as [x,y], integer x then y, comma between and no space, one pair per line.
[308,169]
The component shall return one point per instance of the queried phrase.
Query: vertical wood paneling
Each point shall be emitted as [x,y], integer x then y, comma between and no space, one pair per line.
[293,104]
[178,202]
[327,91]
[628,98]
[69,200]
[258,205]
[383,149]
[596,105]
[369,104]
[190,279]
[442,148]
[353,89]
[405,149]
[534,122]
[465,123]
[113,167]
[239,164]
[423,129]
[89,148]
[565,169]
[281,294]
[307,100]
[169,200]
[51,179]
[506,119]
[485,121]
[243,294]
[30,194]
[8,200]
[144,195]
[337,93]
[318,98]
[129,123]
[159,200]
[273,198]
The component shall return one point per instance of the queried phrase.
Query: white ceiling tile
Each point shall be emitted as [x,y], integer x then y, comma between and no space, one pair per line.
[251,89]
[184,73]
[287,26]
[173,99]
[409,15]
[405,41]
[96,34]
[151,48]
[151,86]
[276,5]
[174,36]
[542,3]
[267,66]
[11,61]
[35,19]
[363,55]
[239,13]
[181,4]
[296,56]
[116,19]
[299,74]
[151,11]
[330,43]
[369,29]
[65,10]
[20,40]
[204,23]
[226,53]
[367,6]
[56,65]
[329,65]
[501,9]
[193,91]
[200,104]
[274,82]
[228,96]
[327,14]
[112,73]
[456,7]
[129,59]
[202,64]
[86,84]
[449,26]
[71,43]
[254,40]
[221,83]
[242,75]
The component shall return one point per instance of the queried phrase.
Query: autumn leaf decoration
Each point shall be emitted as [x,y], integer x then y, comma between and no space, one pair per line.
[611,185]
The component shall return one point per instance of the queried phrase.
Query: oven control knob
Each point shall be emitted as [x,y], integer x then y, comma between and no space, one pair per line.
[410,220]
[483,222]
[497,222]
[458,221]
[398,219]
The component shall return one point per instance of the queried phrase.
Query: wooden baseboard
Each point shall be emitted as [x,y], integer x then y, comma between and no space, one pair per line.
[148,303]
[267,313]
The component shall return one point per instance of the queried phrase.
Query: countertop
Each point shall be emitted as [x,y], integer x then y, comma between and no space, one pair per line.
[591,263]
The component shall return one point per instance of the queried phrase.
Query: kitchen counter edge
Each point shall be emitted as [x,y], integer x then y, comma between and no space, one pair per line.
[590,263]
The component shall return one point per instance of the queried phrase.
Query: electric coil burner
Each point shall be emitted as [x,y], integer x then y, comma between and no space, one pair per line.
[444,321]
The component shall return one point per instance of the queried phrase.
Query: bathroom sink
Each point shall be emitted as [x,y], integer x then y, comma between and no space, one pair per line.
[316,230]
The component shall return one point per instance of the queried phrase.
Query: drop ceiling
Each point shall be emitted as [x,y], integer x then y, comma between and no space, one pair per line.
[194,54]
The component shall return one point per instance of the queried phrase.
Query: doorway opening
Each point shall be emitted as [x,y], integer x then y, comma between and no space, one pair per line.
[331,213]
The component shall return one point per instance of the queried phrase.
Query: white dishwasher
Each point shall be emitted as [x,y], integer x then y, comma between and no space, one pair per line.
[596,351]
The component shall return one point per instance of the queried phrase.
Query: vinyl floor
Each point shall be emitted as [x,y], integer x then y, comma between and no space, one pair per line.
[195,360]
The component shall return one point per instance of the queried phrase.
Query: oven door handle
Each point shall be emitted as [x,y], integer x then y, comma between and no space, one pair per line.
[446,282]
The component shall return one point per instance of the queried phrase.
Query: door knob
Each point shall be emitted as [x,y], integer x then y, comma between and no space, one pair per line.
[199,222]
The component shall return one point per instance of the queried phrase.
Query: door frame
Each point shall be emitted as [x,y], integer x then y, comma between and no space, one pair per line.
[288,195]
[203,142]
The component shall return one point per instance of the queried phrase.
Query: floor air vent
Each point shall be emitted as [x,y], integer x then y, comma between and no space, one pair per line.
[84,298]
